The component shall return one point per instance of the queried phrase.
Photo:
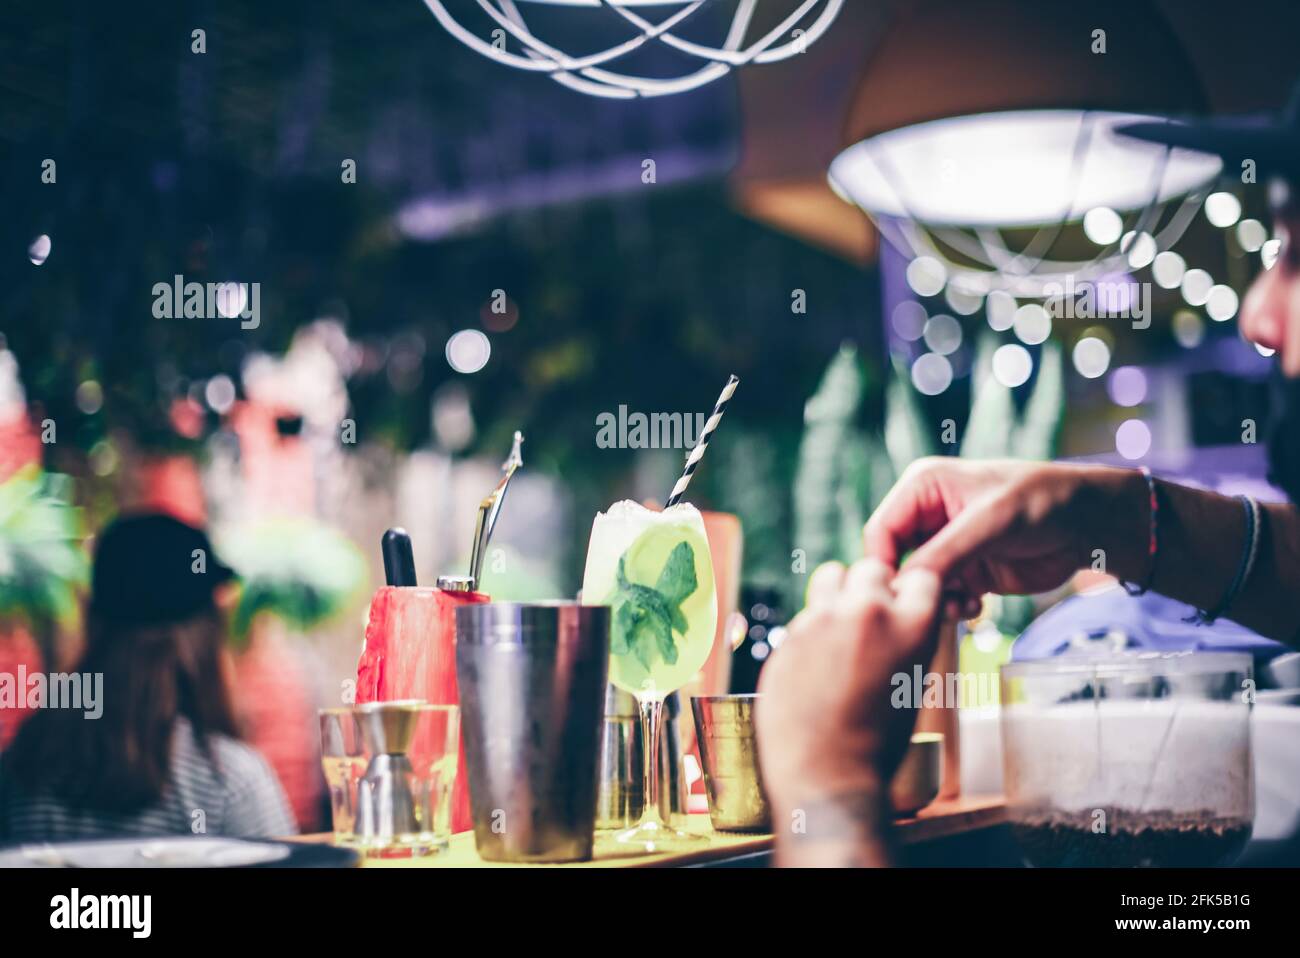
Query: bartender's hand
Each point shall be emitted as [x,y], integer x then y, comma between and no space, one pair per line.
[829,739]
[1009,527]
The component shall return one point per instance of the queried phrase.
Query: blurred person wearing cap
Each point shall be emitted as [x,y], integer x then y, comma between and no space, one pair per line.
[828,741]
[164,757]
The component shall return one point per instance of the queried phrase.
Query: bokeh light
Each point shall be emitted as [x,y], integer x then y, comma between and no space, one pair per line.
[499,315]
[931,374]
[1091,357]
[231,298]
[908,320]
[1189,329]
[1032,324]
[453,419]
[1139,248]
[1222,209]
[1012,365]
[90,397]
[1133,439]
[962,301]
[1167,269]
[468,350]
[1000,308]
[1251,235]
[1102,225]
[219,393]
[1127,386]
[942,334]
[926,276]
[1196,286]
[39,250]
[1221,303]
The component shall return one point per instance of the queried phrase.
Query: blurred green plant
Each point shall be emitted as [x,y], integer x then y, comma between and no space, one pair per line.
[297,569]
[845,469]
[994,427]
[43,563]
[751,476]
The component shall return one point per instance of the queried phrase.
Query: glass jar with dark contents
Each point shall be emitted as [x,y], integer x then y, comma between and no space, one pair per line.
[1129,759]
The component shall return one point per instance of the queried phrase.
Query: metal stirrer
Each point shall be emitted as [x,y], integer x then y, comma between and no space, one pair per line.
[488,510]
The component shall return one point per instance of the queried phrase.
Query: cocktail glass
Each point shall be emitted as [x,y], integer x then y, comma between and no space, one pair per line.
[654,570]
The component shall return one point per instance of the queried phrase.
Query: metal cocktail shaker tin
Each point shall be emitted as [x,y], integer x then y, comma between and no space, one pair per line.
[532,686]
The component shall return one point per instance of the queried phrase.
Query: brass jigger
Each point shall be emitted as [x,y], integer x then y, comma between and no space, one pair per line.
[386,805]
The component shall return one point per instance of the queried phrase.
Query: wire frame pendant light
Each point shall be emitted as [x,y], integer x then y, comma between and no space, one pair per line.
[512,42]
[983,139]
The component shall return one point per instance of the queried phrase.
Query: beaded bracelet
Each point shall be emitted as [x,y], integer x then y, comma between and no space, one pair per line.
[1249,552]
[1153,536]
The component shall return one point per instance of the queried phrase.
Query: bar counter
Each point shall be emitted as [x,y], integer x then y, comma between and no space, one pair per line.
[939,820]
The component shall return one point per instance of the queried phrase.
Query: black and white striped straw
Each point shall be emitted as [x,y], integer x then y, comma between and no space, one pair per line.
[697,453]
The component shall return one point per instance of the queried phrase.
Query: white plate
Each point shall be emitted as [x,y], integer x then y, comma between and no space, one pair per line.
[180,852]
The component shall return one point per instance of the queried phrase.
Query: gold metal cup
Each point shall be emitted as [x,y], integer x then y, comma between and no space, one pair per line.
[917,781]
[724,727]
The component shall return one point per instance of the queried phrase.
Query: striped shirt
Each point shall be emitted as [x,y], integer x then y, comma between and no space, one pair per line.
[236,795]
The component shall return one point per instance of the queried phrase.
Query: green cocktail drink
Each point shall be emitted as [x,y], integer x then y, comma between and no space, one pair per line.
[654,570]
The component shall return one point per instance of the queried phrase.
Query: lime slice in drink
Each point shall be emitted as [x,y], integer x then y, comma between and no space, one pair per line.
[665,608]
[647,557]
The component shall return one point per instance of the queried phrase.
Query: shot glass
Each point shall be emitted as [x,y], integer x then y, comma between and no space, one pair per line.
[344,762]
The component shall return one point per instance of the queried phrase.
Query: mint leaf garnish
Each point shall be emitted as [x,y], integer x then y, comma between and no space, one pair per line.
[645,618]
[677,580]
